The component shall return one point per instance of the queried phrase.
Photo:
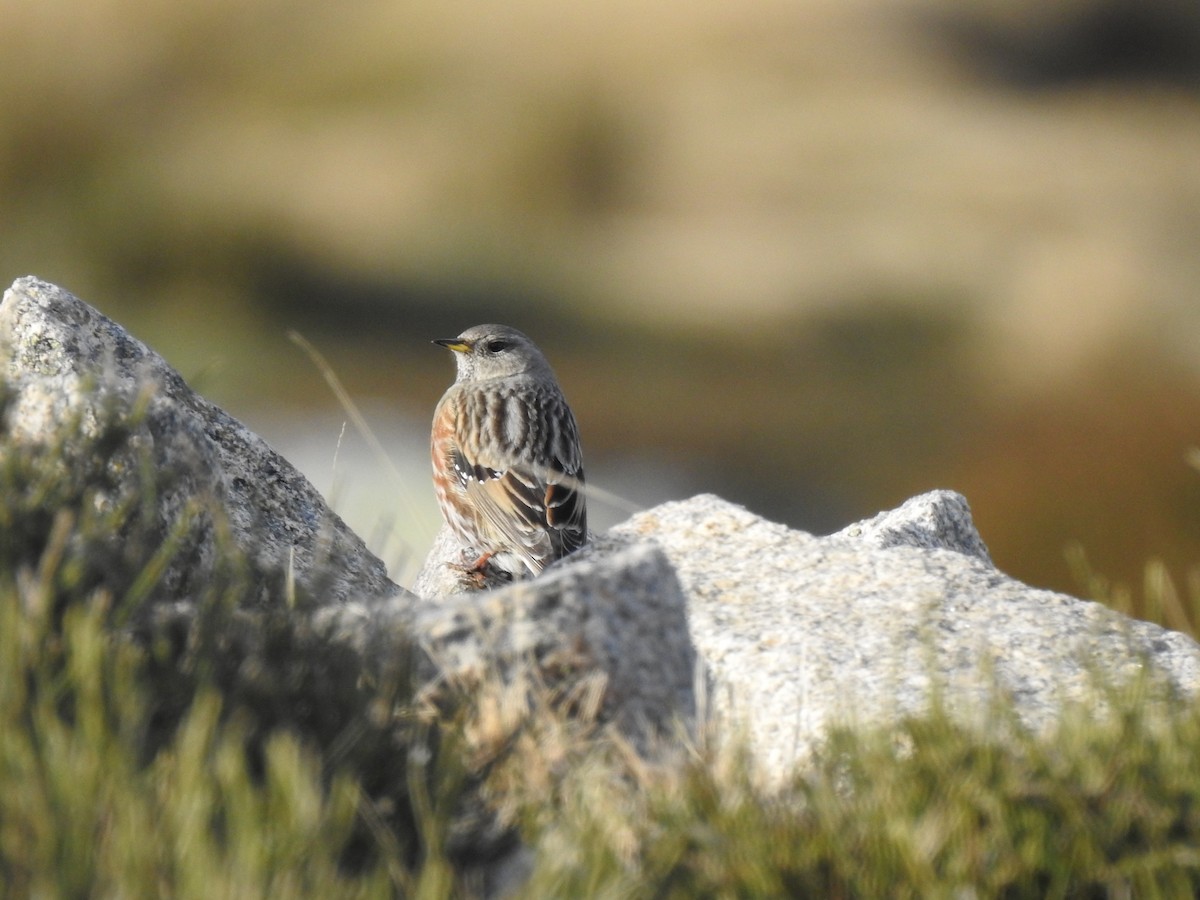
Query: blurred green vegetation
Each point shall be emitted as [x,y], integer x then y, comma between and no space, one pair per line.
[813,257]
[1106,807]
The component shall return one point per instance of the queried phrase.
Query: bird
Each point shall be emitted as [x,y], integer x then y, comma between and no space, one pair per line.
[507,467]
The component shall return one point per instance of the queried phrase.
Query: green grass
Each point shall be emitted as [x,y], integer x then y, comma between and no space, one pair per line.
[1107,806]
[239,751]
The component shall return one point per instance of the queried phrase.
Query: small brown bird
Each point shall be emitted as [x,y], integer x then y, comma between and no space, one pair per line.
[506,462]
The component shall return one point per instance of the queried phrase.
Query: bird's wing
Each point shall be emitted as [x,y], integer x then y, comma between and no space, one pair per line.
[537,508]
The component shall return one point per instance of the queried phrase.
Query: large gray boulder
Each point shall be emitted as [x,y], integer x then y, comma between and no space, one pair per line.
[800,633]
[612,626]
[71,372]
[794,634]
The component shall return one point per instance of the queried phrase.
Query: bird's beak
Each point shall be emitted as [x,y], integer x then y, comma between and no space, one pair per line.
[458,345]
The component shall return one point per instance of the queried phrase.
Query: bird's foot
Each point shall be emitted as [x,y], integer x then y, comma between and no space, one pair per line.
[481,572]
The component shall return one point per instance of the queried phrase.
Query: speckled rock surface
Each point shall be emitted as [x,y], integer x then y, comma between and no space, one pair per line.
[617,612]
[938,520]
[64,360]
[799,632]
[606,629]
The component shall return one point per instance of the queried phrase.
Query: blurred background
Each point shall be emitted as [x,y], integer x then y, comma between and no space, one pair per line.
[815,256]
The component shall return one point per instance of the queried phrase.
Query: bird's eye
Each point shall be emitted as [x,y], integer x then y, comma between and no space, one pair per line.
[496,346]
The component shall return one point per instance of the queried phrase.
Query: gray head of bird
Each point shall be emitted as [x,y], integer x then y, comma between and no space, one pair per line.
[495,351]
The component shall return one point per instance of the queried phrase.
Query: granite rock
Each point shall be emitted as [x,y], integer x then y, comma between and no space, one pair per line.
[800,633]
[65,363]
[938,520]
[612,622]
